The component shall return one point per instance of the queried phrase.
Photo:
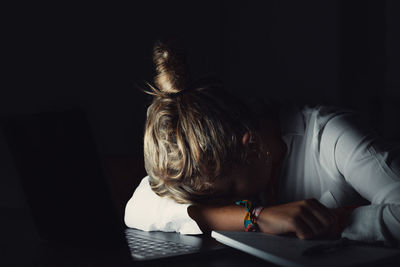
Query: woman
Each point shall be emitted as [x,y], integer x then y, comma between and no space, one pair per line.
[215,163]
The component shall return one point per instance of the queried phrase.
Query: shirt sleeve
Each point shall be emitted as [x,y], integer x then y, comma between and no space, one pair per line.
[372,168]
[149,212]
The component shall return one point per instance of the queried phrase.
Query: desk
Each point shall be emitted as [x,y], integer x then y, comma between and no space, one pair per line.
[20,246]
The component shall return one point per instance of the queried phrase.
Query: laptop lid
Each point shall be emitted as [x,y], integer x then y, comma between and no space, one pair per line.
[67,191]
[63,180]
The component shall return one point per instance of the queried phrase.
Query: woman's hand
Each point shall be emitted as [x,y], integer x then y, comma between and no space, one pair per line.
[342,214]
[307,219]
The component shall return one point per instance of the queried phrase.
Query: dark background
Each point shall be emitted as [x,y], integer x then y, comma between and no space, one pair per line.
[342,53]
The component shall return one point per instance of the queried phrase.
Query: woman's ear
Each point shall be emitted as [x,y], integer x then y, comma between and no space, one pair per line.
[245,138]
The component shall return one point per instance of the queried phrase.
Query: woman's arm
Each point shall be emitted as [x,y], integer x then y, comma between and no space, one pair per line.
[372,168]
[224,218]
[149,212]
[307,219]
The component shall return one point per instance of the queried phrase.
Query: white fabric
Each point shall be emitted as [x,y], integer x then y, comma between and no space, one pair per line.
[331,156]
[149,212]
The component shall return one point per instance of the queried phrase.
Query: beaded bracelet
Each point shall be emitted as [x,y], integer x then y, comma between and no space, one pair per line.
[251,216]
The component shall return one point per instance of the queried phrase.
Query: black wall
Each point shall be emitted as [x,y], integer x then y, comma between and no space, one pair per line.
[331,52]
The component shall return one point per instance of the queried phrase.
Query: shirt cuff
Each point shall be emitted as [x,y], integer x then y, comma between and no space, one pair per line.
[366,224]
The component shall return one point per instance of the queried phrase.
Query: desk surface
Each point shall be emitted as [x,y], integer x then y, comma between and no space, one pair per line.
[20,246]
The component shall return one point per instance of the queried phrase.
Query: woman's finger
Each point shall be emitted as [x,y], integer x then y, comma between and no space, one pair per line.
[302,230]
[313,222]
[322,213]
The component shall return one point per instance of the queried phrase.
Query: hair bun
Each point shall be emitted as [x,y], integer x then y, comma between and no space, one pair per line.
[170,66]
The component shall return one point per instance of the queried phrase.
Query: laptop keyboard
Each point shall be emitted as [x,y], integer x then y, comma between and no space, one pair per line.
[143,247]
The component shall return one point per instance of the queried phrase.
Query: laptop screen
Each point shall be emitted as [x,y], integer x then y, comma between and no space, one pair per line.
[65,187]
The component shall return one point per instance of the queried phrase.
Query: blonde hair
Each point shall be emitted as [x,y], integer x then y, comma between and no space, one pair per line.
[193,131]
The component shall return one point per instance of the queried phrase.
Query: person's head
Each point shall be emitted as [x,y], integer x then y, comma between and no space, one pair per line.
[201,143]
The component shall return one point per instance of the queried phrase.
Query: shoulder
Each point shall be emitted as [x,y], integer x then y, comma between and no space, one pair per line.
[322,115]
[305,120]
[332,121]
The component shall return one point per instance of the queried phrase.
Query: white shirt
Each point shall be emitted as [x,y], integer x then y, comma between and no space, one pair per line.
[331,156]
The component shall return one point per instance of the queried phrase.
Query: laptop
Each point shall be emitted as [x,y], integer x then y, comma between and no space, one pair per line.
[291,251]
[68,193]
